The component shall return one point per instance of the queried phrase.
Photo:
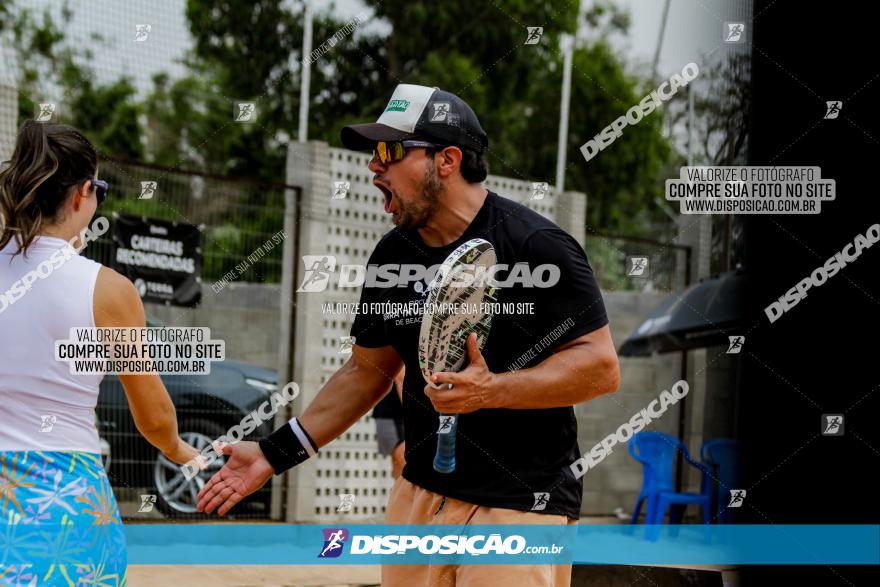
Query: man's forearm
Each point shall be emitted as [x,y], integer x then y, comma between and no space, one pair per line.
[343,400]
[566,378]
[347,395]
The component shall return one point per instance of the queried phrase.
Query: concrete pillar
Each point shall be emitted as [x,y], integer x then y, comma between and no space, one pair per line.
[695,231]
[308,166]
[571,214]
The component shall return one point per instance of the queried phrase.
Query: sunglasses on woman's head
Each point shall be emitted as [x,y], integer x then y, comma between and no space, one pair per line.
[391,151]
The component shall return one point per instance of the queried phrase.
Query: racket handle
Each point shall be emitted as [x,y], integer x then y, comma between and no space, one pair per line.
[444,461]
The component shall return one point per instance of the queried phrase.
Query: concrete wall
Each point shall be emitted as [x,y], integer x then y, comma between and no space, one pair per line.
[245,315]
[615,482]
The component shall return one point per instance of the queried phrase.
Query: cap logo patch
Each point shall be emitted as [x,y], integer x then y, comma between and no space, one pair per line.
[441,111]
[397,106]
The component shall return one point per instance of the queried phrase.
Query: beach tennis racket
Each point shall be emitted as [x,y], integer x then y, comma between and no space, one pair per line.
[459,302]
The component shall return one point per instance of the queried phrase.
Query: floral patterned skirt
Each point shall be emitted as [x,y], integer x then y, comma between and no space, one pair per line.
[59,524]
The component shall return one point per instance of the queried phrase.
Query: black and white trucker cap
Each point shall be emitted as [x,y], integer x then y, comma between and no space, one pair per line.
[420,112]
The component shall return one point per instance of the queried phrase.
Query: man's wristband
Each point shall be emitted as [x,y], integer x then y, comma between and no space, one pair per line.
[288,446]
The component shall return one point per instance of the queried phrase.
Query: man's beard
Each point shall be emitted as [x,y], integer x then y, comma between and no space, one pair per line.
[416,214]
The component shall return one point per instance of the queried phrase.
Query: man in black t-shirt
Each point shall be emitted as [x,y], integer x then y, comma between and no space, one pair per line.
[548,349]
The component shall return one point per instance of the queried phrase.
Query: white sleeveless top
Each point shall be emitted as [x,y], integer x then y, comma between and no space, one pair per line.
[43,406]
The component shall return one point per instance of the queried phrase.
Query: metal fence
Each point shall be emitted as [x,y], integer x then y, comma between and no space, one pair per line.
[236,218]
[632,263]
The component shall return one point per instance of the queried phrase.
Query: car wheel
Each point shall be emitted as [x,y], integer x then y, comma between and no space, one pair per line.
[177,495]
[105,454]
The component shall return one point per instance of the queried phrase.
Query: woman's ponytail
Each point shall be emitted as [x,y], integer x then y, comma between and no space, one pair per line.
[47,161]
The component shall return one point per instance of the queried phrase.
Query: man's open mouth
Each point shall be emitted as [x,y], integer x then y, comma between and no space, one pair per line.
[385,192]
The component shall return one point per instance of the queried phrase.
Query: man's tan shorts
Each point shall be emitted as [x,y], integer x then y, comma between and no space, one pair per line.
[410,504]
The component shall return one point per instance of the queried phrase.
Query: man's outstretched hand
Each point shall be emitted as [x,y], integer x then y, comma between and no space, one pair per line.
[246,471]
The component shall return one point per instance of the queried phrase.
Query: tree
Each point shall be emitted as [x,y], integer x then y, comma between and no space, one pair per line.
[251,51]
[720,137]
[513,87]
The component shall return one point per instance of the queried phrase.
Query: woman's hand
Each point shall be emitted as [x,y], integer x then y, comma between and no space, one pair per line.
[245,471]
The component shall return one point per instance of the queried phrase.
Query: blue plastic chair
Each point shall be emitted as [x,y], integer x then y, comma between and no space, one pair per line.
[722,456]
[656,452]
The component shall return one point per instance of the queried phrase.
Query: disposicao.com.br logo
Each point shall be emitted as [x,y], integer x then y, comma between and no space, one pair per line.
[431,544]
[321,269]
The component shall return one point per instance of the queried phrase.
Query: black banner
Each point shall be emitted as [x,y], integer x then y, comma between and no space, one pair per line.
[162,258]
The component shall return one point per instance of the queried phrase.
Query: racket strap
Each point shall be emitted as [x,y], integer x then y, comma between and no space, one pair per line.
[288,446]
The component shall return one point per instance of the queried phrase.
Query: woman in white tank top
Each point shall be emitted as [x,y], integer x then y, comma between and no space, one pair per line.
[56,502]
